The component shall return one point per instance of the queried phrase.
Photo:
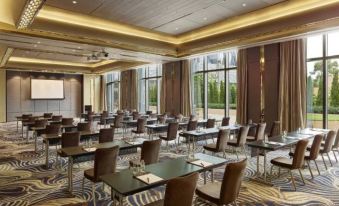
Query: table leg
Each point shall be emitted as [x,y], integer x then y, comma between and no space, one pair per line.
[47,153]
[22,131]
[17,125]
[35,141]
[212,175]
[27,135]
[70,176]
[205,181]
[258,159]
[265,165]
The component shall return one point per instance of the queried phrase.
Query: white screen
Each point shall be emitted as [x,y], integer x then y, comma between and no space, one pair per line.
[47,89]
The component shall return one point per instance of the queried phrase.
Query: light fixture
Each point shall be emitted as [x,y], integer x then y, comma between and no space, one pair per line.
[244,4]
[73,50]
[35,45]
[205,18]
[176,28]
[38,42]
[74,2]
[30,10]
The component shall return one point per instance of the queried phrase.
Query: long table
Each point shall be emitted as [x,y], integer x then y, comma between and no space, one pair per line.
[280,142]
[124,183]
[76,154]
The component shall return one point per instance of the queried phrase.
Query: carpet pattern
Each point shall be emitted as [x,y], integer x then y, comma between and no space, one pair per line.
[25,181]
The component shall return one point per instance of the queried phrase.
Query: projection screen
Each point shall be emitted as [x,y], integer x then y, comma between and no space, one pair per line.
[47,89]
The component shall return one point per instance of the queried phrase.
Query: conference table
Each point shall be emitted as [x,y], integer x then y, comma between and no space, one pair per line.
[82,154]
[56,139]
[124,183]
[277,143]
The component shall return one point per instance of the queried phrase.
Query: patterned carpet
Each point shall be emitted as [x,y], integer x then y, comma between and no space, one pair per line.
[24,180]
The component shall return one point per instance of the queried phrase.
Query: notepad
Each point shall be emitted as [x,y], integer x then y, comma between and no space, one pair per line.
[201,163]
[274,143]
[149,178]
[90,149]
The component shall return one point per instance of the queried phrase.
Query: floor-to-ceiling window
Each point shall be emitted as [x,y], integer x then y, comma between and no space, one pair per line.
[322,80]
[149,88]
[113,91]
[214,85]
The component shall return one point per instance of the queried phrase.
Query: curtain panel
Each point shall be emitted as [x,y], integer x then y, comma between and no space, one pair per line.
[292,85]
[128,90]
[242,75]
[103,98]
[186,96]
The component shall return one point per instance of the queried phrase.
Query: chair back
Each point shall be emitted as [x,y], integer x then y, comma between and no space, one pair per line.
[231,182]
[57,118]
[225,121]
[141,122]
[40,123]
[149,112]
[193,117]
[84,126]
[119,112]
[161,119]
[88,108]
[180,190]
[336,142]
[210,123]
[103,116]
[32,119]
[26,116]
[179,117]
[67,121]
[299,154]
[222,139]
[192,125]
[316,146]
[275,129]
[330,137]
[70,139]
[172,131]
[118,121]
[105,161]
[260,131]
[48,115]
[150,151]
[106,135]
[242,135]
[53,129]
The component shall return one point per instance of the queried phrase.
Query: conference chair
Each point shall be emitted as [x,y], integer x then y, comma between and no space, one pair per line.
[227,191]
[67,121]
[84,126]
[141,129]
[118,121]
[149,152]
[48,116]
[335,146]
[221,144]
[330,137]
[68,139]
[103,117]
[106,135]
[259,133]
[240,141]
[191,126]
[56,118]
[312,154]
[104,163]
[210,123]
[275,129]
[179,191]
[296,163]
[225,121]
[171,133]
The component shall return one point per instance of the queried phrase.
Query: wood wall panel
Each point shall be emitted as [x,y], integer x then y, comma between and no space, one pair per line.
[172,78]
[19,100]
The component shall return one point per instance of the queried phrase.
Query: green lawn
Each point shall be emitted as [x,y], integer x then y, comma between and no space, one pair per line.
[319,117]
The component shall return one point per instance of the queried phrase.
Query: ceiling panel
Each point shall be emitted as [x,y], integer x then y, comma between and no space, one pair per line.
[164,15]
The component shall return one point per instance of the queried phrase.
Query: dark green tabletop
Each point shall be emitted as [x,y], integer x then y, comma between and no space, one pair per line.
[124,183]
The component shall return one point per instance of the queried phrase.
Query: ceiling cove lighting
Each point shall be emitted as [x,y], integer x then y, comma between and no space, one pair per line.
[29,12]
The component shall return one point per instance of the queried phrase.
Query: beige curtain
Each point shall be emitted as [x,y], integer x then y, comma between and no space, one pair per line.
[163,90]
[128,90]
[242,87]
[292,85]
[103,100]
[186,104]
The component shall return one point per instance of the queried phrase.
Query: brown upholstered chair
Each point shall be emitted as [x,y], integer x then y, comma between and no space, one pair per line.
[26,116]
[221,144]
[106,135]
[192,125]
[56,118]
[40,123]
[240,141]
[193,117]
[103,117]
[335,146]
[141,129]
[136,115]
[32,119]
[149,112]
[313,154]
[275,129]
[225,121]
[297,162]
[84,126]
[179,191]
[104,163]
[227,191]
[48,115]
[330,137]
[172,131]
[161,119]
[179,117]
[149,152]
[210,123]
[67,121]
[118,121]
[259,133]
[53,129]
[68,139]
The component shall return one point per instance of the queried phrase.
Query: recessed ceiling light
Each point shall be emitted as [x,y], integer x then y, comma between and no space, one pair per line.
[73,50]
[176,28]
[74,2]
[205,18]
[38,42]
[244,4]
[35,45]
[79,47]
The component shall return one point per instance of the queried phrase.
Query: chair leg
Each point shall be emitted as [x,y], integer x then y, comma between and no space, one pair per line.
[335,156]
[224,154]
[272,169]
[93,194]
[308,164]
[315,162]
[279,170]
[244,149]
[83,185]
[322,156]
[235,203]
[292,179]
[235,151]
[167,146]
[329,158]
[302,177]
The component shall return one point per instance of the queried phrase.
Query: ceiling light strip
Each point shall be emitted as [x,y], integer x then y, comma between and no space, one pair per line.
[30,11]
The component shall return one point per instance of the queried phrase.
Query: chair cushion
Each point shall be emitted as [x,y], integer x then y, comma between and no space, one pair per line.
[282,162]
[307,155]
[210,192]
[89,174]
[211,147]
[156,203]
[250,138]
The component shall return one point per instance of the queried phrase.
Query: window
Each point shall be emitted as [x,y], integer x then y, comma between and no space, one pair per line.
[322,81]
[149,88]
[113,91]
[214,85]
